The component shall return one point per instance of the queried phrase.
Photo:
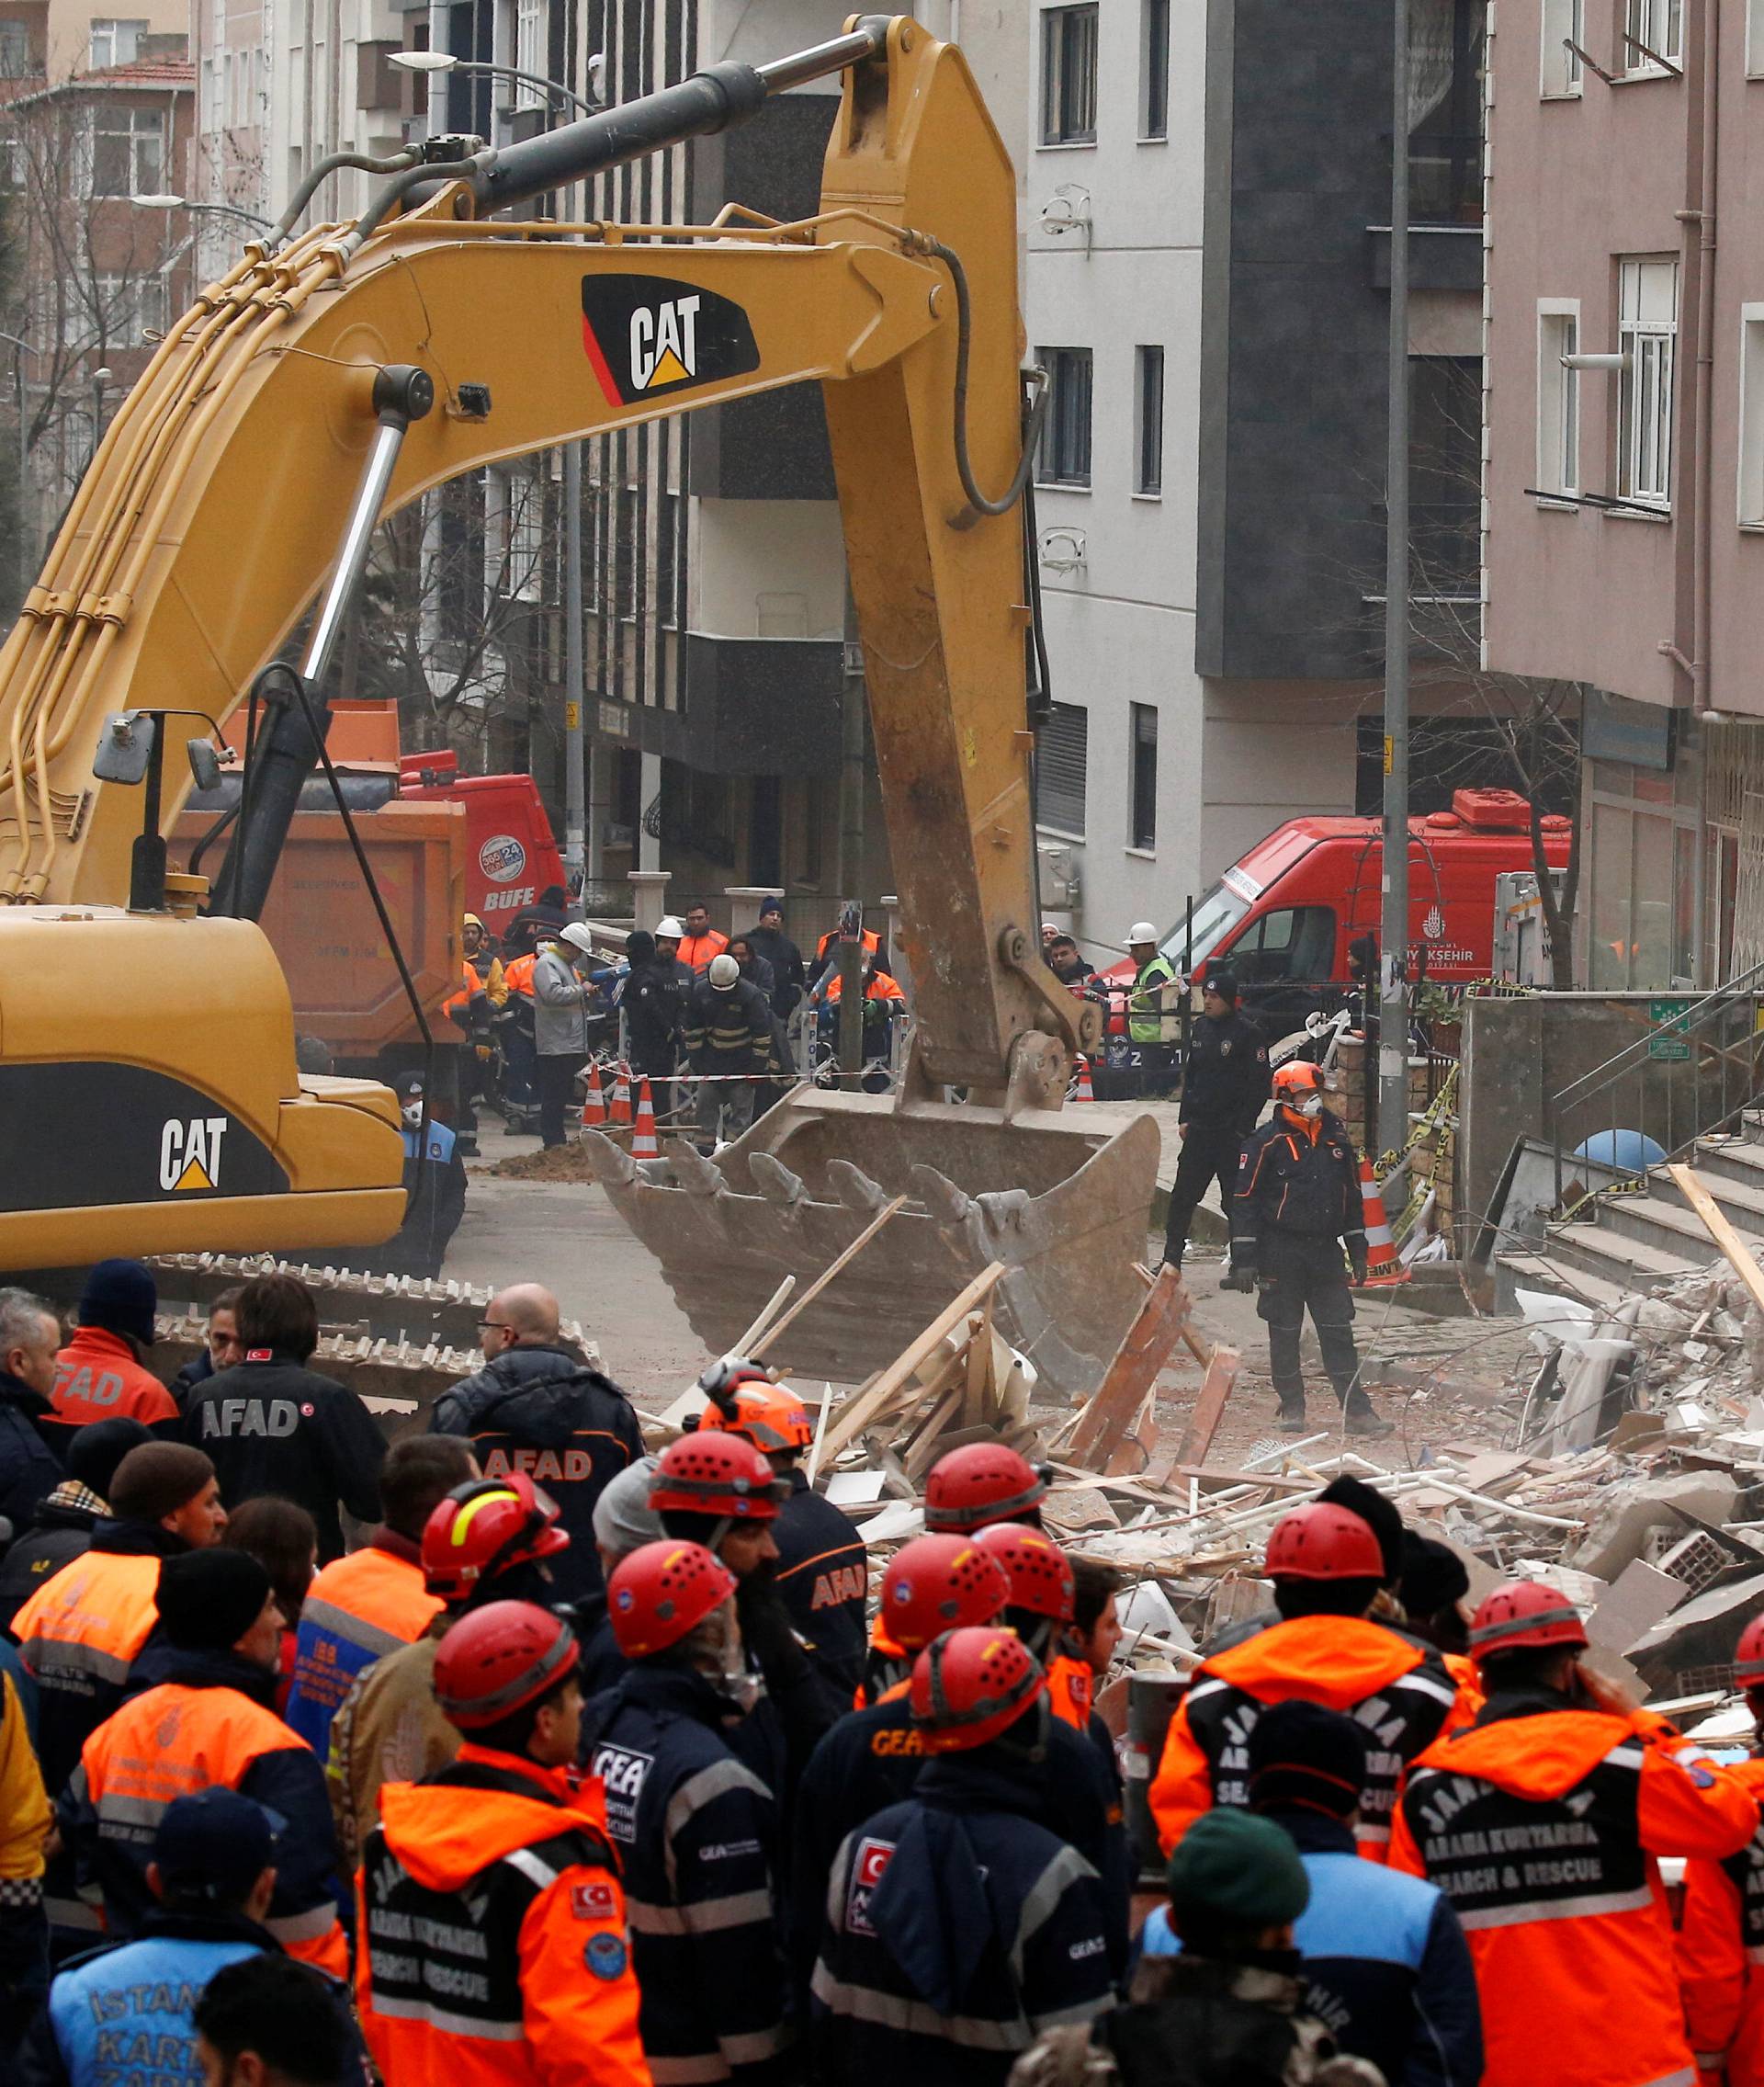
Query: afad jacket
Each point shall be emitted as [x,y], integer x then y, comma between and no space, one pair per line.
[202,1721]
[1396,1686]
[1720,1956]
[360,1608]
[99,1377]
[1542,1823]
[492,1923]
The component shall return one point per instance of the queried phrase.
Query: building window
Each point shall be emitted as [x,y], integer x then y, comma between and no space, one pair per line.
[1142,786]
[1068,77]
[524,498]
[1754,38]
[115,43]
[1149,419]
[1154,68]
[15,51]
[529,52]
[669,565]
[128,152]
[1646,334]
[1065,457]
[1060,761]
[1751,416]
[624,549]
[1654,34]
[594,539]
[1558,65]
[1559,400]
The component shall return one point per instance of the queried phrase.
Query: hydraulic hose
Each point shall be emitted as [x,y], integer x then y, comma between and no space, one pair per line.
[1038,407]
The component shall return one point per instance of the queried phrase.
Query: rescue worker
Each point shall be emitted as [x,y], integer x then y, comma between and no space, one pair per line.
[100,1374]
[435,1190]
[80,1632]
[624,1522]
[29,1469]
[68,1517]
[823,1568]
[1044,1598]
[125,2010]
[1721,1934]
[221,1347]
[1542,1823]
[1296,1205]
[826,955]
[883,1003]
[201,1718]
[272,1425]
[533,923]
[752,966]
[537,1407]
[372,1601]
[265,2022]
[726,1031]
[1225,1082]
[788,973]
[1327,1567]
[651,1004]
[562,1000]
[701,941]
[697,1831]
[25,1820]
[492,1917]
[490,1540]
[981,1482]
[1154,1004]
[956,1926]
[515,1022]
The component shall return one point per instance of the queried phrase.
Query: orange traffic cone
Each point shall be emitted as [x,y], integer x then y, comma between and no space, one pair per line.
[621,1108]
[1086,1093]
[643,1141]
[593,1102]
[1382,1262]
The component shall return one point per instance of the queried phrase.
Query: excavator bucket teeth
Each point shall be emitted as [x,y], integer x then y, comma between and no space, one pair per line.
[1062,1199]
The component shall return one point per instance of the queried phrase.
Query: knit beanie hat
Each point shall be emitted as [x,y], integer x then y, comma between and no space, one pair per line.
[98,1447]
[1371,1507]
[1305,1758]
[1232,1867]
[1433,1575]
[624,1520]
[208,1599]
[639,947]
[121,1296]
[157,1479]
[1221,979]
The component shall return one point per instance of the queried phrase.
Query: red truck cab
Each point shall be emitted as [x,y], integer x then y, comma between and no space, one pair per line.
[511,852]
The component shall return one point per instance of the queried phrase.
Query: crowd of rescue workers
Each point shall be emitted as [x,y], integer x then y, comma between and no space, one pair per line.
[507,1753]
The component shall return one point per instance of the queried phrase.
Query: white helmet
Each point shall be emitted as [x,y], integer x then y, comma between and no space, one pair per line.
[724,971]
[578,938]
[1141,930]
[669,930]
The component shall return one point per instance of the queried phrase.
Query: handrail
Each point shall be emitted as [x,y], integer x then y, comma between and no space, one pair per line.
[1747,981]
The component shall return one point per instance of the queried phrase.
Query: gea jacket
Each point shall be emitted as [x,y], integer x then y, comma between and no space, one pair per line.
[99,1377]
[1721,1955]
[58,1532]
[359,1608]
[543,1410]
[271,1425]
[494,1949]
[202,1721]
[390,1729]
[697,1832]
[1542,1823]
[1393,1685]
[957,1930]
[824,1576]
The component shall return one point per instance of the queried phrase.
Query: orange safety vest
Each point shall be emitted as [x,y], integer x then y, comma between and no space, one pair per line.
[358,1609]
[1542,1829]
[699,949]
[494,1946]
[457,1002]
[881,987]
[99,1379]
[872,942]
[1071,1686]
[82,1629]
[518,976]
[1721,1955]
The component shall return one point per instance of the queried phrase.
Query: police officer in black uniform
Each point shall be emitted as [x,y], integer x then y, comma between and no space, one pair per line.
[1225,1082]
[1297,1204]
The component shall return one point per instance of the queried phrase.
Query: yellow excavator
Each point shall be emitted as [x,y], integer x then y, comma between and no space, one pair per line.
[149,1096]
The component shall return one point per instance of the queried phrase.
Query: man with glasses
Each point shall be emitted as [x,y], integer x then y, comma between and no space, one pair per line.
[537,1406]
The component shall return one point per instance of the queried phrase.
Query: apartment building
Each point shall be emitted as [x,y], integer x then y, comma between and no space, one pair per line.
[1626,477]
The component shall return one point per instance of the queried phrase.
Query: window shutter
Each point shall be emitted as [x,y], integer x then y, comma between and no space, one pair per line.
[1061,765]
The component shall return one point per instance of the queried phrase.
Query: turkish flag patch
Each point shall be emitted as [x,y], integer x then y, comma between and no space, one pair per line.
[594,1901]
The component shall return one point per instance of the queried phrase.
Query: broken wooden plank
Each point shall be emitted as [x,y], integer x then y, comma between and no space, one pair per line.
[978,1384]
[826,1277]
[1115,1404]
[857,1415]
[1209,1406]
[1720,1230]
[1192,1341]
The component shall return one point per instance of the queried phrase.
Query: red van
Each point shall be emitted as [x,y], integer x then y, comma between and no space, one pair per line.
[511,852]
[1284,917]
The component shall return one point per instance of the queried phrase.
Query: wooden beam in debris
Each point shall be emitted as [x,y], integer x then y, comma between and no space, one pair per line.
[1721,1230]
[820,1282]
[856,1416]
[1115,1404]
[1209,1406]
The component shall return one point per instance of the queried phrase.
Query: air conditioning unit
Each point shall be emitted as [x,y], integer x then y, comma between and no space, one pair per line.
[1062,882]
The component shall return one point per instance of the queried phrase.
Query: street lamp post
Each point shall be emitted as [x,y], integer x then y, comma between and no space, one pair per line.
[576,780]
[169,203]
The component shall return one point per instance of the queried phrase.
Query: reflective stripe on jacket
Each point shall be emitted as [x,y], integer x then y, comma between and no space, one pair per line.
[1396,1686]
[1542,1823]
[1154,1014]
[360,1608]
[823,1575]
[1721,1955]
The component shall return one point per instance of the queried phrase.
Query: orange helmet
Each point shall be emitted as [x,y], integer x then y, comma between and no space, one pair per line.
[484,1528]
[716,1473]
[1321,1541]
[937,1583]
[971,1685]
[1296,1078]
[1041,1575]
[744,1400]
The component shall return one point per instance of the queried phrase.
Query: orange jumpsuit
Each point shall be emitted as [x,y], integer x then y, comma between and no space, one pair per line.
[1720,1956]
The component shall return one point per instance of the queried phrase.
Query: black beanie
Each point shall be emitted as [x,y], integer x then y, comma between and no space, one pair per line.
[1433,1575]
[1372,1506]
[1305,1758]
[208,1599]
[121,1296]
[98,1447]
[639,947]
[1221,979]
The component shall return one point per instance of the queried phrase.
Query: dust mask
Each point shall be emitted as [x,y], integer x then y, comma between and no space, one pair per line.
[1311,1106]
[412,1116]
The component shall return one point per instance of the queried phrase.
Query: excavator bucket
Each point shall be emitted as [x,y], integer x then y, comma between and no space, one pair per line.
[1062,1198]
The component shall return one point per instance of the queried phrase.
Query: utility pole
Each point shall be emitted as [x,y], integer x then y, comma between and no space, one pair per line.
[1393,959]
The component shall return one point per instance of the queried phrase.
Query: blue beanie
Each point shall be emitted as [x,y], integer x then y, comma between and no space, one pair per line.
[121,1296]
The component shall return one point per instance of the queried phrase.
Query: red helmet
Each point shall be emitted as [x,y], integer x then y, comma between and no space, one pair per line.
[1039,1571]
[745,1401]
[1748,1660]
[662,1591]
[938,1583]
[1297,1077]
[971,1685]
[1320,1541]
[498,1658]
[483,1528]
[981,1482]
[1524,1613]
[714,1473]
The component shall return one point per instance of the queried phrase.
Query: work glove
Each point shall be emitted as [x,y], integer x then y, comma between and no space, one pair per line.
[1241,1277]
[1357,1260]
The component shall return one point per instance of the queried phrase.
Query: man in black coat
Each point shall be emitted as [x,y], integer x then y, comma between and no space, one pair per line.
[537,1407]
[29,1469]
[1225,1082]
[789,972]
[62,1528]
[654,993]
